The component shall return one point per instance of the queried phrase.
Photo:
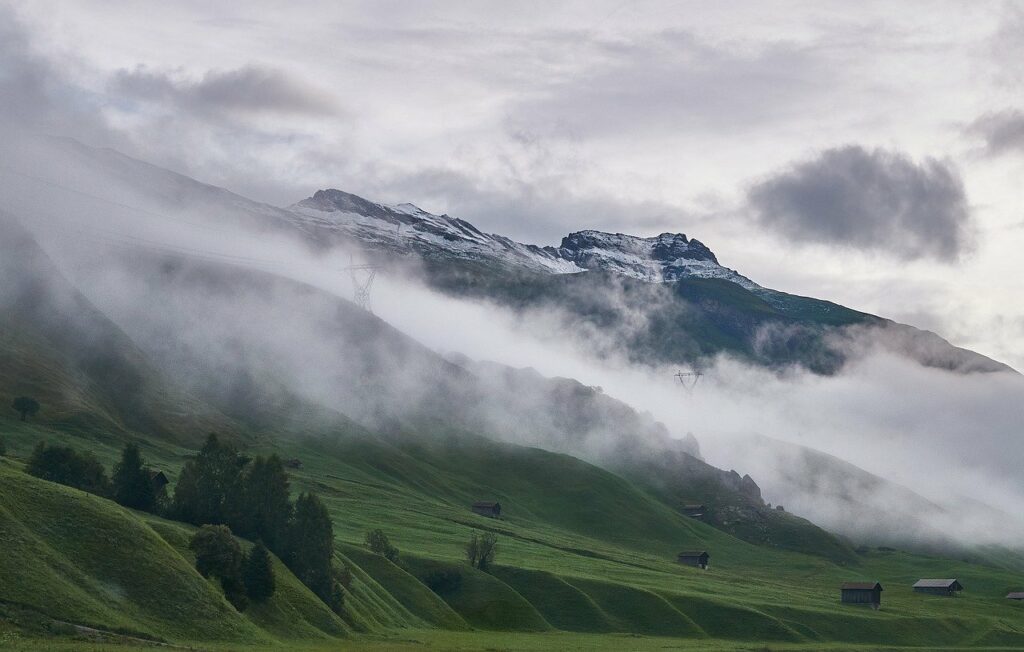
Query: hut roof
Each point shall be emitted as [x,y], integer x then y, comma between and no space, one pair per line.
[1016,595]
[693,553]
[938,584]
[866,586]
[486,503]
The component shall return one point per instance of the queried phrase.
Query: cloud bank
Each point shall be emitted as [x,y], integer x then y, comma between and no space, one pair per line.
[872,200]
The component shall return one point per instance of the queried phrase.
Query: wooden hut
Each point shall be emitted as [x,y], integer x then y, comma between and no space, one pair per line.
[491,509]
[944,587]
[866,593]
[694,511]
[1016,595]
[158,479]
[696,558]
[293,463]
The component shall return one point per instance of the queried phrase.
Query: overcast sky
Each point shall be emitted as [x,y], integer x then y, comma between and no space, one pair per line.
[867,153]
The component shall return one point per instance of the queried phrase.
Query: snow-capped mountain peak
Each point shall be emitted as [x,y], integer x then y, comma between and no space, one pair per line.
[404,227]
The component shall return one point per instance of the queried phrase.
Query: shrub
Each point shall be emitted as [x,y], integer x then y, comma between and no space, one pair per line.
[379,543]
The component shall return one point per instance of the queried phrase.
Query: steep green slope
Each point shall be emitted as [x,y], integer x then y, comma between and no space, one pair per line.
[58,348]
[613,571]
[82,559]
[692,320]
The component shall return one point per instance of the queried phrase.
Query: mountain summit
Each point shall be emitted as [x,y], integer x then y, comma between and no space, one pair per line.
[664,258]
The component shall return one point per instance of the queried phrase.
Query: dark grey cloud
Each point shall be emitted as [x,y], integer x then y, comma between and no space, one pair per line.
[1002,131]
[872,200]
[251,89]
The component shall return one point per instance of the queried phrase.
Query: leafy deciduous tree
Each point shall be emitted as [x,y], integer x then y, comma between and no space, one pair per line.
[26,406]
[379,543]
[219,555]
[480,550]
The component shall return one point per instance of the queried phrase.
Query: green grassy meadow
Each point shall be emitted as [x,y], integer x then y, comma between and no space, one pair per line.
[585,561]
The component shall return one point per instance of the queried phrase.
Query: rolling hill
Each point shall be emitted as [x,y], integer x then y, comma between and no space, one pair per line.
[392,435]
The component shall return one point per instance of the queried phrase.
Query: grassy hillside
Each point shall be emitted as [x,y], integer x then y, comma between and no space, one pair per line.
[78,558]
[580,550]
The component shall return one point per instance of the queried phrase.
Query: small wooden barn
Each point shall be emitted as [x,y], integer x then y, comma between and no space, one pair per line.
[866,593]
[694,511]
[1016,595]
[293,463]
[696,558]
[946,587]
[487,508]
[158,479]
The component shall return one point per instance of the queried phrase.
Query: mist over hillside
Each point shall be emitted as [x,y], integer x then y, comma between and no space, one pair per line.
[241,308]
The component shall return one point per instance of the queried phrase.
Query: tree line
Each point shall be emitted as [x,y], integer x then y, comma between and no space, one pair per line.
[231,493]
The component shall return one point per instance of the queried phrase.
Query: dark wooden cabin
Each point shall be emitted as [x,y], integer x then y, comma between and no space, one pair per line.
[866,593]
[694,511]
[1016,595]
[293,463]
[696,558]
[944,587]
[488,508]
[158,479]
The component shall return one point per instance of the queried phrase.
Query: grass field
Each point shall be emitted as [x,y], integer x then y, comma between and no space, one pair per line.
[585,561]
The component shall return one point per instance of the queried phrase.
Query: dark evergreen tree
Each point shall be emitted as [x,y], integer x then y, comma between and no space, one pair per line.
[132,484]
[209,486]
[265,508]
[26,406]
[66,466]
[311,548]
[258,574]
[218,555]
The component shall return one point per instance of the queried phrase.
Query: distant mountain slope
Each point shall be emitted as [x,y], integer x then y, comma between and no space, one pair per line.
[55,346]
[674,281]
[664,299]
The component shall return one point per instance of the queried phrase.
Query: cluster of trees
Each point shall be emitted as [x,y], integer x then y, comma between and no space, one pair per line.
[65,465]
[131,485]
[251,497]
[244,577]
